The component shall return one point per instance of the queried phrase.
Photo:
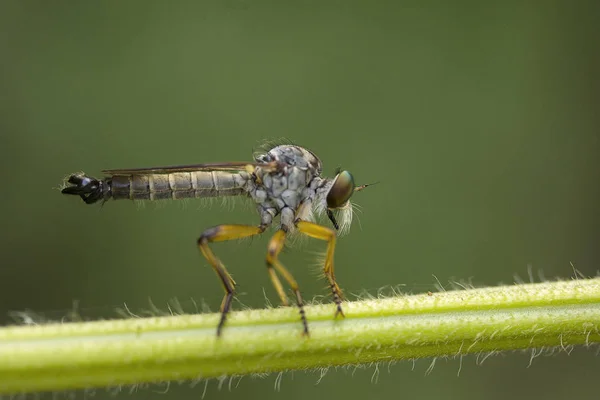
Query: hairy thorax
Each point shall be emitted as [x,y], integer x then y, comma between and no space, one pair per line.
[289,178]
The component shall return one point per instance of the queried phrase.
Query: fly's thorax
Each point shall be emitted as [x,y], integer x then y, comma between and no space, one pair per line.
[294,156]
[280,193]
[284,187]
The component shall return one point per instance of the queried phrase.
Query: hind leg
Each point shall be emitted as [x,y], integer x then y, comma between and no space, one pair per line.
[222,233]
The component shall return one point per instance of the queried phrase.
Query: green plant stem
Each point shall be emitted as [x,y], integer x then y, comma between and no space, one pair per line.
[137,350]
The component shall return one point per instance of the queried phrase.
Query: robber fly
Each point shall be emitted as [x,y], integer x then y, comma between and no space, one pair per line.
[285,181]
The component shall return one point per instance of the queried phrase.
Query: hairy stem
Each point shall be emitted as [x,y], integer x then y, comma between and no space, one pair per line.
[137,350]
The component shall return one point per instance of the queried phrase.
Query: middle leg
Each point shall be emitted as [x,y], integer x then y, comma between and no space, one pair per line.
[273,264]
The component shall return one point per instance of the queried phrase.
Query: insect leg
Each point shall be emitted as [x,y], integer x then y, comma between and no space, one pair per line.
[222,233]
[275,246]
[320,232]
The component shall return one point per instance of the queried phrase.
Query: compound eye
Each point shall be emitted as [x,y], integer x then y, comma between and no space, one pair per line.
[341,190]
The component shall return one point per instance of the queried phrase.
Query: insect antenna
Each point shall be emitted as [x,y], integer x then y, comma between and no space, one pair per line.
[362,187]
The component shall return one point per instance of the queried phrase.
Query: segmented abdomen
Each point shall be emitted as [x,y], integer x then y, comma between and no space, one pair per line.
[178,185]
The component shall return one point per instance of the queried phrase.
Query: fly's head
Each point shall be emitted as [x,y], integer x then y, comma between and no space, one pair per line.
[334,200]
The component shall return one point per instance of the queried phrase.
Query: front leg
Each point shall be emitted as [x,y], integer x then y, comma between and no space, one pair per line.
[320,232]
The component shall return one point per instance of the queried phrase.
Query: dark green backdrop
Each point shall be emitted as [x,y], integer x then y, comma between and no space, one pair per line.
[480,120]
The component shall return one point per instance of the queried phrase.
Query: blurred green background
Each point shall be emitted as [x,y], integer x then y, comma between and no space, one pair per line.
[480,120]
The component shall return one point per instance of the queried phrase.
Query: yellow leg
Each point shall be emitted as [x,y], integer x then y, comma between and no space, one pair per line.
[273,264]
[221,233]
[320,232]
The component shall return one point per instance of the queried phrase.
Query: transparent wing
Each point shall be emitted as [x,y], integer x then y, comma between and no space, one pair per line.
[227,166]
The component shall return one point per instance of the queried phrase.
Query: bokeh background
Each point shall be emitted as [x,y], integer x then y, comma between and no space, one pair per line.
[480,120]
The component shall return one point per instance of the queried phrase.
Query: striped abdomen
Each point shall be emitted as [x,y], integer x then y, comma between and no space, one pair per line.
[178,185]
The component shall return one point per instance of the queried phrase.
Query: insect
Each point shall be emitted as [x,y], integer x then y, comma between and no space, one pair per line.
[283,181]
